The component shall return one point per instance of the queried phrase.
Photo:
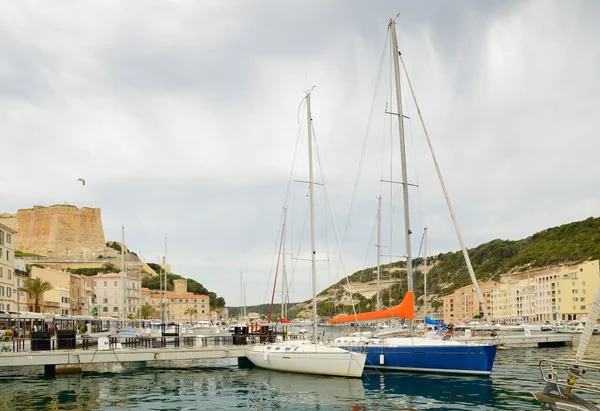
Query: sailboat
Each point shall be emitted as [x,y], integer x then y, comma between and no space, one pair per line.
[564,377]
[417,353]
[309,357]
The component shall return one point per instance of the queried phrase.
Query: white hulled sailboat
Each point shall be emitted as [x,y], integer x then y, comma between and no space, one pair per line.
[309,357]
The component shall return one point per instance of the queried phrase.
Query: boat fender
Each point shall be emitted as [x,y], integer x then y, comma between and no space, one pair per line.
[381,359]
[423,334]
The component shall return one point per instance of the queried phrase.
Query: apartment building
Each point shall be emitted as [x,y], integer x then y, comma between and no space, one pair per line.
[566,293]
[463,305]
[116,295]
[7,264]
[514,301]
[178,301]
[71,293]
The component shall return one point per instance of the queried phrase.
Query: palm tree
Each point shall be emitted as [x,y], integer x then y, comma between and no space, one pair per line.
[36,289]
[148,311]
[190,311]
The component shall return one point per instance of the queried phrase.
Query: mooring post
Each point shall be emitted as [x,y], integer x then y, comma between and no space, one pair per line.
[49,370]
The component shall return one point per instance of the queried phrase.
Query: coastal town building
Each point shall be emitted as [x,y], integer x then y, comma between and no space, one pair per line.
[21,275]
[179,301]
[463,305]
[551,294]
[71,293]
[117,295]
[565,293]
[7,266]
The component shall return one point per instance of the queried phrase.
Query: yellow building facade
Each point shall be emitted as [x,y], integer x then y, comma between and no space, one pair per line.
[7,266]
[179,301]
[566,293]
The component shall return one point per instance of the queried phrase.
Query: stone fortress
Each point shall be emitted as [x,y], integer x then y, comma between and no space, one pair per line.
[64,236]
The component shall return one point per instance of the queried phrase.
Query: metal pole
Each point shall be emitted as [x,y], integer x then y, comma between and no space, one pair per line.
[122,300]
[283,279]
[166,294]
[162,307]
[312,217]
[425,271]
[378,304]
[407,231]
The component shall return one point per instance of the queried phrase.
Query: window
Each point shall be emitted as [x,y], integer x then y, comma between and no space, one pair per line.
[18,282]
[94,283]
[573,283]
[105,292]
[8,254]
[115,309]
[105,300]
[1,305]
[105,283]
[1,291]
[116,292]
[116,301]
[582,299]
[2,237]
[583,292]
[575,299]
[583,307]
[8,291]
[575,291]
[115,283]
[1,271]
[7,307]
[9,274]
[583,283]
[104,309]
[9,240]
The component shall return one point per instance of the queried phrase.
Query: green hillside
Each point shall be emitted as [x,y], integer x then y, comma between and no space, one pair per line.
[566,244]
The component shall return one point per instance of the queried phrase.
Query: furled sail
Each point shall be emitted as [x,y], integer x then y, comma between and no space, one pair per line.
[406,309]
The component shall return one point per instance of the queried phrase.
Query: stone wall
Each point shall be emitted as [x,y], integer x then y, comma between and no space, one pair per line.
[59,231]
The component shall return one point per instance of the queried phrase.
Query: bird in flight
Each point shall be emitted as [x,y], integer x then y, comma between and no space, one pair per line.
[82,180]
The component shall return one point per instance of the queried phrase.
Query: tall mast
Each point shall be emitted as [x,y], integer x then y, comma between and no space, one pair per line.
[425,271]
[283,273]
[162,305]
[241,296]
[394,46]
[123,288]
[378,304]
[312,217]
[165,280]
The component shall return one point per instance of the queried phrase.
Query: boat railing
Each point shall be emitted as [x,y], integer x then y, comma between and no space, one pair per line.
[571,375]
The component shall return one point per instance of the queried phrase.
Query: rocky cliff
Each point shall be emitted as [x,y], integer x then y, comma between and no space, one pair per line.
[59,231]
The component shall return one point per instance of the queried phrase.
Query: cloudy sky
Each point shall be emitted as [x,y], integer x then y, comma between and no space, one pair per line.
[182,116]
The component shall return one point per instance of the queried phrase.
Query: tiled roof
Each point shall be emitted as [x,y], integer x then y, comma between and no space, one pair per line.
[188,296]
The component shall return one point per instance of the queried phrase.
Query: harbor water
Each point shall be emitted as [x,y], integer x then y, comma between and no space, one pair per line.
[222,385]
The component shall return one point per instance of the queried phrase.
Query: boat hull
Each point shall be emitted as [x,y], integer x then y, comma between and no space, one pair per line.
[321,362]
[446,359]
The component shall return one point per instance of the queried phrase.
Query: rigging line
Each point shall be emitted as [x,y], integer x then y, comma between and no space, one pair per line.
[449,203]
[364,149]
[414,158]
[368,247]
[295,260]
[285,202]
[337,240]
[276,271]
[417,258]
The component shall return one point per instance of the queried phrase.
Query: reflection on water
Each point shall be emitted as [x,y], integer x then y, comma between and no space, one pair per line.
[221,385]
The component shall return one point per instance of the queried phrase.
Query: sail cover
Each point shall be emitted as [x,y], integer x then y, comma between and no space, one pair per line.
[434,322]
[406,309]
